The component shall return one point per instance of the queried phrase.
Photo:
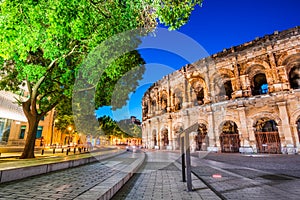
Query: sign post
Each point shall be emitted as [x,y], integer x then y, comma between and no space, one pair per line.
[186,156]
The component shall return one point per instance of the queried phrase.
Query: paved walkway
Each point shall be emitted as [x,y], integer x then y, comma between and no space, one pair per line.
[238,176]
[160,178]
[11,161]
[74,183]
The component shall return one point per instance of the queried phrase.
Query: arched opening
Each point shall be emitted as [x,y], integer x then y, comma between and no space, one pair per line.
[178,129]
[178,100]
[223,88]
[294,77]
[298,128]
[153,105]
[228,89]
[199,91]
[154,137]
[267,136]
[201,138]
[165,138]
[164,103]
[229,137]
[200,97]
[145,109]
[260,84]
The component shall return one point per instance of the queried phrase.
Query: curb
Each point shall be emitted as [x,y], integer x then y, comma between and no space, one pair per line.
[25,172]
[108,188]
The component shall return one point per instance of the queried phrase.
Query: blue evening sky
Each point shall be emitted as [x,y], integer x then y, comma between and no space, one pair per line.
[218,24]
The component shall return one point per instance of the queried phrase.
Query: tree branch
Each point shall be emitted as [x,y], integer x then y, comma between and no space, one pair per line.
[94,4]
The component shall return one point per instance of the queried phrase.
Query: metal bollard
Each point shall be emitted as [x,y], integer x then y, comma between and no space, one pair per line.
[74,150]
[53,150]
[67,152]
[42,151]
[62,150]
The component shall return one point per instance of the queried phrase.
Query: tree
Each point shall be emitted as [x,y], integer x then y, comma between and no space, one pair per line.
[44,42]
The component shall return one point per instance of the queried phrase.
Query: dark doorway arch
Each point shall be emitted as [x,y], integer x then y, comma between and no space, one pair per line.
[228,89]
[260,84]
[229,137]
[267,136]
[201,138]
[165,138]
[294,77]
[164,103]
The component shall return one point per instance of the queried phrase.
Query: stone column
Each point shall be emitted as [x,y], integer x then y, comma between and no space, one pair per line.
[243,130]
[296,136]
[170,133]
[273,67]
[150,139]
[159,138]
[185,101]
[211,131]
[286,129]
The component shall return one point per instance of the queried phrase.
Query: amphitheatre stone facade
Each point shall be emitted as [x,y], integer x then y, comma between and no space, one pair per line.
[244,99]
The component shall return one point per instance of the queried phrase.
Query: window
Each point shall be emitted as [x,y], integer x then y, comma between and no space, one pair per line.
[22,133]
[260,84]
[39,132]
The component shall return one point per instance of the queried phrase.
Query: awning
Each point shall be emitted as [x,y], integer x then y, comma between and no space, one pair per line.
[9,109]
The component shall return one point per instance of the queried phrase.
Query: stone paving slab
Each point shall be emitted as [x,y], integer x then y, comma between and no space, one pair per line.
[160,178]
[84,181]
[240,181]
[15,169]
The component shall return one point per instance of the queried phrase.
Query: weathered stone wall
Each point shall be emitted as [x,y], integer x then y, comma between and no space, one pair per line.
[251,91]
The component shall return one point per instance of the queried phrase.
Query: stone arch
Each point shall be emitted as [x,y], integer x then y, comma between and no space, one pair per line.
[267,135]
[164,101]
[177,99]
[229,137]
[294,120]
[177,128]
[222,85]
[257,116]
[145,107]
[288,57]
[291,64]
[295,115]
[201,138]
[259,77]
[250,66]
[200,89]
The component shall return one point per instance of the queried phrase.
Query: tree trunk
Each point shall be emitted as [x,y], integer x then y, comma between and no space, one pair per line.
[28,151]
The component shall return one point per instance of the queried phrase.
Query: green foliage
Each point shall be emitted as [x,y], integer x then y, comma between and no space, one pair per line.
[43,44]
[110,127]
[173,13]
[63,115]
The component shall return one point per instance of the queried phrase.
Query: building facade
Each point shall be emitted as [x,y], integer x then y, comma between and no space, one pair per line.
[246,98]
[14,126]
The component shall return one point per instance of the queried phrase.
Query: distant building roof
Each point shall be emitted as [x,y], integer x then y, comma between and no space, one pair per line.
[9,108]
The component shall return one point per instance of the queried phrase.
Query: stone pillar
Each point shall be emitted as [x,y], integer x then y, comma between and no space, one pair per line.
[286,130]
[296,136]
[185,101]
[243,130]
[159,138]
[273,67]
[211,131]
[170,133]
